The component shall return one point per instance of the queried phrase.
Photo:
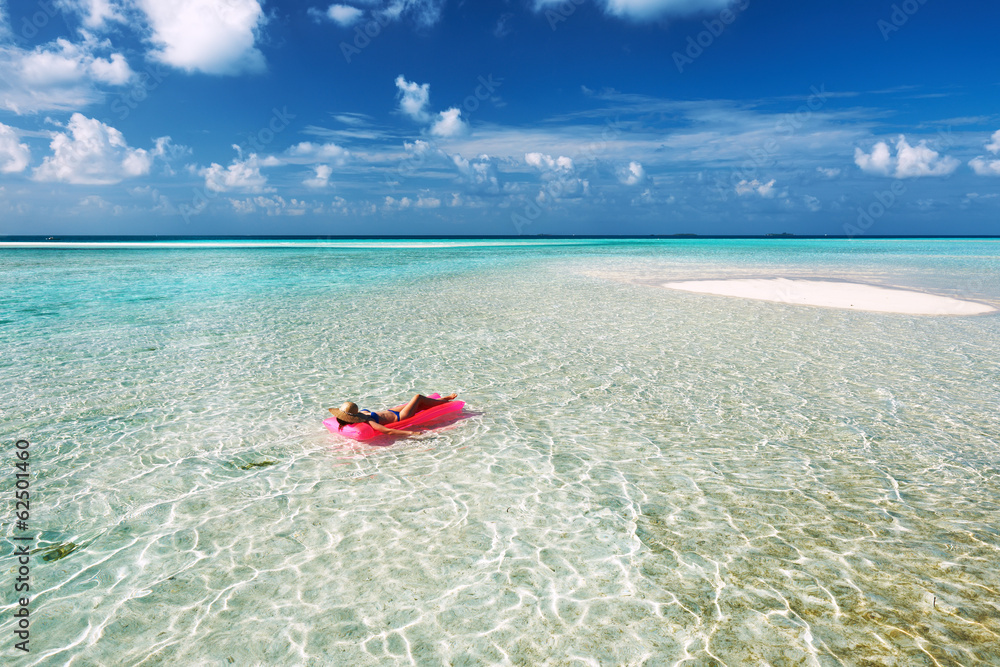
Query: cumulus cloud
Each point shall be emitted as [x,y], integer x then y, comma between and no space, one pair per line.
[165,149]
[209,36]
[633,174]
[559,179]
[480,174]
[984,166]
[414,98]
[909,161]
[545,163]
[91,153]
[879,161]
[449,124]
[829,173]
[14,156]
[414,101]
[308,151]
[242,175]
[393,203]
[61,75]
[322,177]
[345,15]
[994,145]
[746,187]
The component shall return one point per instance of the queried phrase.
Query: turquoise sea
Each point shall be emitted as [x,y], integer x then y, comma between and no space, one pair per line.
[641,476]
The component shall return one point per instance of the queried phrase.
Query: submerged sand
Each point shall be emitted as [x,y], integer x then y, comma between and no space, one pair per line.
[835,294]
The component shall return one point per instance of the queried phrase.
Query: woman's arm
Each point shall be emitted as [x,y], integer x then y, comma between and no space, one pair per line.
[390,431]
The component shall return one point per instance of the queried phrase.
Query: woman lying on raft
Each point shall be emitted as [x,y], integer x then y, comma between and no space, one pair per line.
[348,413]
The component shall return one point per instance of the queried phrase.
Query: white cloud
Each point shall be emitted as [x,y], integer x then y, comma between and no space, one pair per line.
[645,9]
[161,202]
[649,9]
[5,32]
[879,161]
[95,13]
[909,162]
[418,147]
[413,99]
[322,177]
[306,152]
[422,12]
[95,154]
[829,173]
[345,15]
[275,205]
[545,163]
[210,36]
[994,145]
[14,156]
[559,180]
[353,119]
[480,173]
[920,160]
[633,174]
[165,148]
[428,202]
[242,175]
[61,75]
[114,71]
[392,202]
[746,187]
[985,167]
[449,124]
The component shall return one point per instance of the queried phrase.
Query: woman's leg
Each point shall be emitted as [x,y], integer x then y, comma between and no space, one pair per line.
[420,402]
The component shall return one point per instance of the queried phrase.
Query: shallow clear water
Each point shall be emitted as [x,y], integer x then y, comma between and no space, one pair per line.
[641,476]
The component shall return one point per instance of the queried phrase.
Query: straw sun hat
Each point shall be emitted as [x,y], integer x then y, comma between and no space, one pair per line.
[351,415]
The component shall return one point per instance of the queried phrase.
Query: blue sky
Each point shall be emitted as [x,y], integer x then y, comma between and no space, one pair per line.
[385,117]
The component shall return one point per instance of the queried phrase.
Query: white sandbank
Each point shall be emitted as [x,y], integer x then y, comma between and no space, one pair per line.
[831,294]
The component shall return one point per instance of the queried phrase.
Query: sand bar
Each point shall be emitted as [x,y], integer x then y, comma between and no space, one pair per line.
[835,294]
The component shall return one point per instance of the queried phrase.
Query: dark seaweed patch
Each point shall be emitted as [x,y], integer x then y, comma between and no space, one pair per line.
[57,552]
[257,464]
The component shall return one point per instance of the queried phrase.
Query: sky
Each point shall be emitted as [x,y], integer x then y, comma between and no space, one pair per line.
[499,117]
